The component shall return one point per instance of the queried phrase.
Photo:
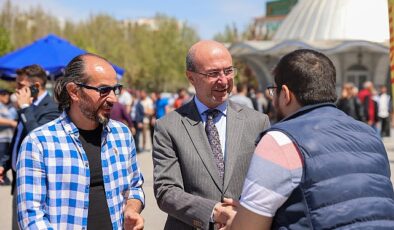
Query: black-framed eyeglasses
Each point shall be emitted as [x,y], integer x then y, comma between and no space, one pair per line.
[271,90]
[103,90]
[228,72]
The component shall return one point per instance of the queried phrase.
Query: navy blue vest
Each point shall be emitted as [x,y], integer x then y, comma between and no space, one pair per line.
[346,173]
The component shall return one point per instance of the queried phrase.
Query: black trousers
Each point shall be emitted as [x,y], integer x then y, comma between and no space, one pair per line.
[385,131]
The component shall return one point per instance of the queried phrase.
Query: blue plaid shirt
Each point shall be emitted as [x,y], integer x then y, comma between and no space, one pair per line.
[53,176]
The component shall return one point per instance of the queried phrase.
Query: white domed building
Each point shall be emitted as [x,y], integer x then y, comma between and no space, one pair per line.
[353,33]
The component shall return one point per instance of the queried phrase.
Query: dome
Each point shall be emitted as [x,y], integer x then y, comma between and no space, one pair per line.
[323,20]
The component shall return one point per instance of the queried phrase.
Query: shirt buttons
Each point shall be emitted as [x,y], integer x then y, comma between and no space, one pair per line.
[87,165]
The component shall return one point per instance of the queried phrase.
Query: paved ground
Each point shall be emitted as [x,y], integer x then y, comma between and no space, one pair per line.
[154,218]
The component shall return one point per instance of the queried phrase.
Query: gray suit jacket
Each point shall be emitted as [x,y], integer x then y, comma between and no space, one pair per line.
[186,180]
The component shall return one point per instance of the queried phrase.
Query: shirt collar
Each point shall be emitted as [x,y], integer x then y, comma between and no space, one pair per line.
[40,98]
[202,108]
[70,127]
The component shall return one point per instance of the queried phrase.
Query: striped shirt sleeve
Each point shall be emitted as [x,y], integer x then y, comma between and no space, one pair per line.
[275,171]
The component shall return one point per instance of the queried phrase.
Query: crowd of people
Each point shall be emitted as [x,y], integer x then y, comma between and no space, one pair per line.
[369,105]
[227,157]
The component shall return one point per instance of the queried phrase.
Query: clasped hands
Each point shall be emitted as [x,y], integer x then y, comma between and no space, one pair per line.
[224,213]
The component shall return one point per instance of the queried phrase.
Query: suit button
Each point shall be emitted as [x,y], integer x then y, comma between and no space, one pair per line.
[197,223]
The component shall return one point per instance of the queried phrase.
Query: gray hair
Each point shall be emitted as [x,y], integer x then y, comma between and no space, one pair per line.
[190,65]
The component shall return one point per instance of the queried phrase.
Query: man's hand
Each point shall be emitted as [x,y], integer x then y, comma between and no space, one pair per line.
[133,220]
[223,213]
[2,174]
[13,123]
[133,131]
[23,96]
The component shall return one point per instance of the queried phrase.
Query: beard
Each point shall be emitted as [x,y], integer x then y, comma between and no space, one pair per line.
[92,112]
[278,112]
[279,115]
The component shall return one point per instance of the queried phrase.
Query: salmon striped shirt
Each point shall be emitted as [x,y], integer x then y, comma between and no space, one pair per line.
[275,171]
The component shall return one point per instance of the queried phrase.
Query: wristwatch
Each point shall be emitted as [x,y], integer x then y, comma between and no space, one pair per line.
[24,106]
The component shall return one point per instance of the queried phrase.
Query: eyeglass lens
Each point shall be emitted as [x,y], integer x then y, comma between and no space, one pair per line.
[107,90]
[226,72]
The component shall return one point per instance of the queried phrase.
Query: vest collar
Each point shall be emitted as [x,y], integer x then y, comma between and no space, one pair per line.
[306,109]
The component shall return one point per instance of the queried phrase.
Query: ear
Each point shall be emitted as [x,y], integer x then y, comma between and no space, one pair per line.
[189,76]
[72,90]
[37,85]
[287,94]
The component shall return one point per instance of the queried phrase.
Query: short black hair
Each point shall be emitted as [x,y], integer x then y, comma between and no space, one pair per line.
[310,75]
[33,71]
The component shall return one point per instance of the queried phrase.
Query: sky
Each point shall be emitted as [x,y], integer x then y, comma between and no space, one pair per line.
[208,17]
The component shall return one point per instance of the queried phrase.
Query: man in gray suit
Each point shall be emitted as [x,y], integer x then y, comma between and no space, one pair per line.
[202,150]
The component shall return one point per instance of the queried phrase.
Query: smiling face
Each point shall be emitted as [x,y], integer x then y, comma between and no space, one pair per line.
[92,105]
[211,56]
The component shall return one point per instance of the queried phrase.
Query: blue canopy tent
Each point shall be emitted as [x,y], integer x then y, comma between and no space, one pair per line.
[51,52]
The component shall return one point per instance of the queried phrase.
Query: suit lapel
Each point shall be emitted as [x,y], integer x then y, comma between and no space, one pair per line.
[196,131]
[42,103]
[234,132]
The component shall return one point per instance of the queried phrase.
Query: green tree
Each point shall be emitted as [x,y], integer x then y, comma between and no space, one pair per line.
[153,55]
[5,42]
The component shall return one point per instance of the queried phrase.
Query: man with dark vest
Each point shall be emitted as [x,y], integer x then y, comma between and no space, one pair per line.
[317,168]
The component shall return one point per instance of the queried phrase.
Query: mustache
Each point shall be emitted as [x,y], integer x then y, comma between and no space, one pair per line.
[107,105]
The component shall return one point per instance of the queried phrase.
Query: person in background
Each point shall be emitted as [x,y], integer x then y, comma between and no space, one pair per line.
[147,104]
[161,106]
[80,171]
[119,113]
[182,98]
[152,121]
[269,109]
[261,101]
[366,96]
[126,99]
[137,115]
[317,168]
[349,103]
[241,96]
[8,122]
[13,106]
[202,149]
[384,111]
[35,108]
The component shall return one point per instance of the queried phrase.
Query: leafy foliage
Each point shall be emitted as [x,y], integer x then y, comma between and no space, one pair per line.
[5,42]
[153,55]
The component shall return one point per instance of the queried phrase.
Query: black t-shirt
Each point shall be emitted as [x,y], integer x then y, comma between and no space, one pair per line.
[98,213]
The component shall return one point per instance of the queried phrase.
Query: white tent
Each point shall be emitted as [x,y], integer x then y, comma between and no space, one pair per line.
[353,33]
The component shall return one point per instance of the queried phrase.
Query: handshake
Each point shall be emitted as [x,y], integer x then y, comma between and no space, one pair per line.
[224,213]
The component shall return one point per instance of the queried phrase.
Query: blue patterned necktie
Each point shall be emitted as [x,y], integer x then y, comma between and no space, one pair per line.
[214,140]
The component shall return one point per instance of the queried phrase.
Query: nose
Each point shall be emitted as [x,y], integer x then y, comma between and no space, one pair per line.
[222,78]
[112,97]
